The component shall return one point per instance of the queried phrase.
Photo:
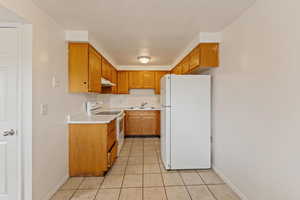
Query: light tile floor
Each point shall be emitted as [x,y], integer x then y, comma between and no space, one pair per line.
[138,174]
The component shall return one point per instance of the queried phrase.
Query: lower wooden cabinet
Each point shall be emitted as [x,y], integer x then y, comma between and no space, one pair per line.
[92,148]
[139,122]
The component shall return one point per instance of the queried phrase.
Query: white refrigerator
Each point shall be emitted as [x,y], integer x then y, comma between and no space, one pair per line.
[186,121]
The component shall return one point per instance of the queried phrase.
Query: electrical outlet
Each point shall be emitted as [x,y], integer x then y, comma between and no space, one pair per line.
[55,82]
[44,109]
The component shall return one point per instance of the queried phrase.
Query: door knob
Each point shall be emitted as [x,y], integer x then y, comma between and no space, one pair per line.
[9,133]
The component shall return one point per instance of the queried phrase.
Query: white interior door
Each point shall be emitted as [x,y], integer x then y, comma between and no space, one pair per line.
[9,61]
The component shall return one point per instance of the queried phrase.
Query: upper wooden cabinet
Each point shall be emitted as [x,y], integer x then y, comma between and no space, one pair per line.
[195,58]
[177,69]
[123,85]
[148,79]
[209,54]
[84,68]
[136,79]
[114,79]
[141,79]
[94,71]
[158,76]
[106,69]
[185,65]
[204,55]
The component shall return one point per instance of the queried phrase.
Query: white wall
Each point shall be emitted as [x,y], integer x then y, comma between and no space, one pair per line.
[256,99]
[50,163]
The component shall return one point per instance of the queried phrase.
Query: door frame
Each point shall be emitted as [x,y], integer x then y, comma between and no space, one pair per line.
[24,115]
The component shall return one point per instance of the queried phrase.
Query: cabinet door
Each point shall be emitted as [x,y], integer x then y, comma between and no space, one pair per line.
[78,67]
[186,65]
[114,79]
[195,58]
[209,54]
[133,124]
[136,79]
[148,79]
[123,82]
[149,124]
[178,69]
[157,122]
[106,70]
[158,76]
[94,71]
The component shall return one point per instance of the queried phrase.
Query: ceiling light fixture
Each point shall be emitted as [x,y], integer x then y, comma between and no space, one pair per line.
[144,59]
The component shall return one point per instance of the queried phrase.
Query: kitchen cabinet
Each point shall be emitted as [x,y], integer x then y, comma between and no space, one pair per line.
[106,69]
[135,79]
[94,71]
[209,54]
[123,85]
[114,79]
[139,122]
[177,69]
[84,68]
[148,79]
[141,79]
[92,148]
[185,65]
[205,55]
[195,58]
[158,76]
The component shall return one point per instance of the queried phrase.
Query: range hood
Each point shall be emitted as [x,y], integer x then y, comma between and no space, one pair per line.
[106,83]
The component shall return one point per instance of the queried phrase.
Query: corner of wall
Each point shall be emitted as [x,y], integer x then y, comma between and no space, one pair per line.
[56,187]
[230,183]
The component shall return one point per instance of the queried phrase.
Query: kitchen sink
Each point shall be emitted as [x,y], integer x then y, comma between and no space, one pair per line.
[108,113]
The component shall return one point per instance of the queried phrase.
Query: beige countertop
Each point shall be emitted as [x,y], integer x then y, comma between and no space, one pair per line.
[84,118]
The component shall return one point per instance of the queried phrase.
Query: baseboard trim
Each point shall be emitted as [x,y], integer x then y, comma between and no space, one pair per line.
[230,184]
[54,190]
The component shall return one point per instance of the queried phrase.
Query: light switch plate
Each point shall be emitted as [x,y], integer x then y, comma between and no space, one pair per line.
[44,109]
[55,82]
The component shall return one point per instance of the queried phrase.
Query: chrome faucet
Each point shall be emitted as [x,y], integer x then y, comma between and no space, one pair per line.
[144,103]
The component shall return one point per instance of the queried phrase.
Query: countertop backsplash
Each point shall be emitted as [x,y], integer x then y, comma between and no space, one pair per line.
[134,98]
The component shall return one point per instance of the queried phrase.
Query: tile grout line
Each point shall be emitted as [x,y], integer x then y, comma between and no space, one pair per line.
[130,149]
[185,186]
[161,174]
[143,193]
[77,188]
[207,186]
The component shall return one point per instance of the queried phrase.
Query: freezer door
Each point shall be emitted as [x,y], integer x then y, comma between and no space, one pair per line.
[190,122]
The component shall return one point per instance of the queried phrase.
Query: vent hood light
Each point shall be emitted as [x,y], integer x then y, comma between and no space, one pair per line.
[144,59]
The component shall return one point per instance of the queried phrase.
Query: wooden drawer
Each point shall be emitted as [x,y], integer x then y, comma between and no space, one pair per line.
[112,155]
